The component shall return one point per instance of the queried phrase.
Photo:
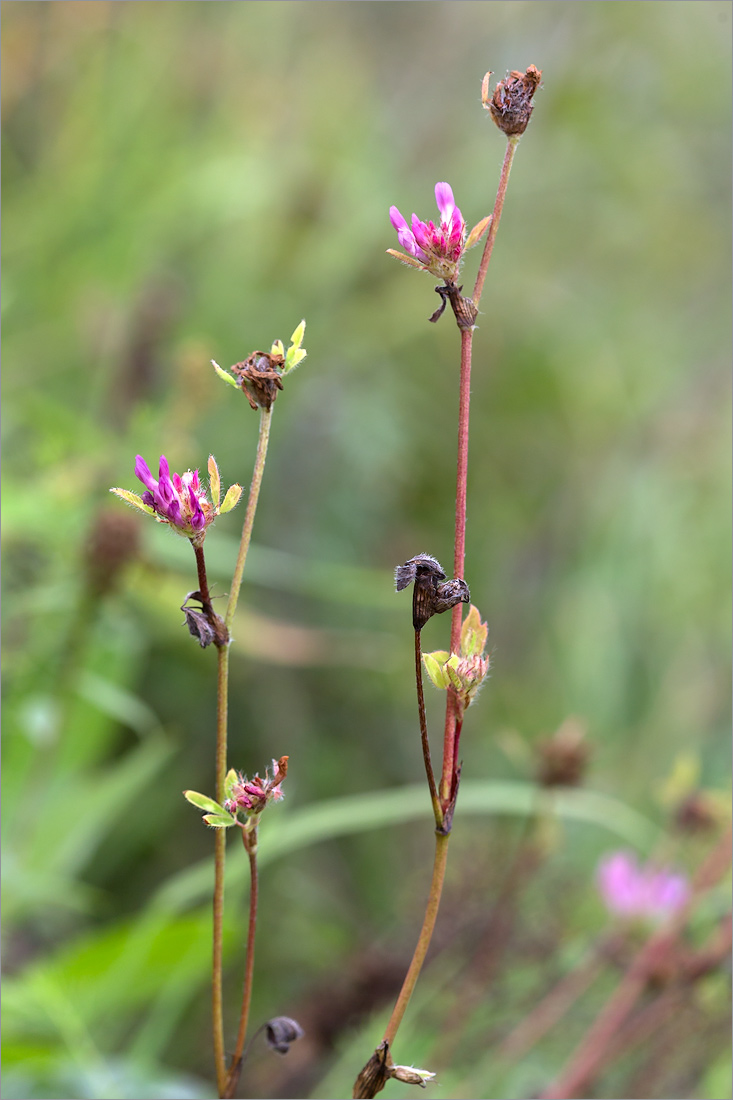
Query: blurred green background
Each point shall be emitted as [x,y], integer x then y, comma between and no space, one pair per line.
[186,181]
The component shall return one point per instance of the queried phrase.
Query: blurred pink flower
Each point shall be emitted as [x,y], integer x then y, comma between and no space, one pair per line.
[628,890]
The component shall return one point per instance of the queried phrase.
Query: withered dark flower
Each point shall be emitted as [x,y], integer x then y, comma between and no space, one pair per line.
[449,593]
[198,622]
[511,104]
[259,377]
[430,596]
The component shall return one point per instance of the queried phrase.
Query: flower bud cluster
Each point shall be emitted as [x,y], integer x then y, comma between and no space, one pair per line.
[252,795]
[243,795]
[465,671]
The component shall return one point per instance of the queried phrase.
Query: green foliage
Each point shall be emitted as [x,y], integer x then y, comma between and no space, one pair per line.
[183,181]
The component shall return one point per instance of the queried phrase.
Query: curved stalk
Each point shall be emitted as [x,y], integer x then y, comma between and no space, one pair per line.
[426,934]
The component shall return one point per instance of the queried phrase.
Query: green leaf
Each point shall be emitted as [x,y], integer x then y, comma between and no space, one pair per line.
[297,338]
[473,634]
[134,500]
[410,261]
[435,671]
[230,779]
[231,500]
[219,821]
[224,375]
[202,802]
[214,481]
[478,231]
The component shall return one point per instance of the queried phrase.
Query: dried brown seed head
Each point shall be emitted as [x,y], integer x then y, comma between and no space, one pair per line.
[511,104]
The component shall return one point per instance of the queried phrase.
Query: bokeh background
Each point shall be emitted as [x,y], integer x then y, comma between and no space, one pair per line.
[186,181]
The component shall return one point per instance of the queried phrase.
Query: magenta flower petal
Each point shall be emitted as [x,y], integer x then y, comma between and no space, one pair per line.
[396,218]
[143,473]
[408,242]
[444,199]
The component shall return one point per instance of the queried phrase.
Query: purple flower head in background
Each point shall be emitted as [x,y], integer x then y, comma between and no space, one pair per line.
[628,890]
[180,500]
[437,249]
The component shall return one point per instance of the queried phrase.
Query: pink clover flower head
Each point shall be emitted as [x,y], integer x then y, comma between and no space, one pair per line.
[252,795]
[437,249]
[180,500]
[628,890]
[177,499]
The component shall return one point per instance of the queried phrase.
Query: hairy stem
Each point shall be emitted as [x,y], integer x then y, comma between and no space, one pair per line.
[250,846]
[424,732]
[506,167]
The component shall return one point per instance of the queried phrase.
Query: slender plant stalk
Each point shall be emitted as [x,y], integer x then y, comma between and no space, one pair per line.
[452,727]
[424,732]
[222,705]
[426,933]
[249,516]
[511,148]
[220,839]
[251,850]
[449,776]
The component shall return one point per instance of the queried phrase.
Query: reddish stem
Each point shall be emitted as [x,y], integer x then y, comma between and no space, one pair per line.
[450,736]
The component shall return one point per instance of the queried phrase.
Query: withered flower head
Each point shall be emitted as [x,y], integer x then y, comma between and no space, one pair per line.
[511,104]
[563,757]
[430,596]
[259,375]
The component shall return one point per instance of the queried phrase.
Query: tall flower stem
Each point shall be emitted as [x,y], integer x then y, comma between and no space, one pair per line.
[250,846]
[449,777]
[222,706]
